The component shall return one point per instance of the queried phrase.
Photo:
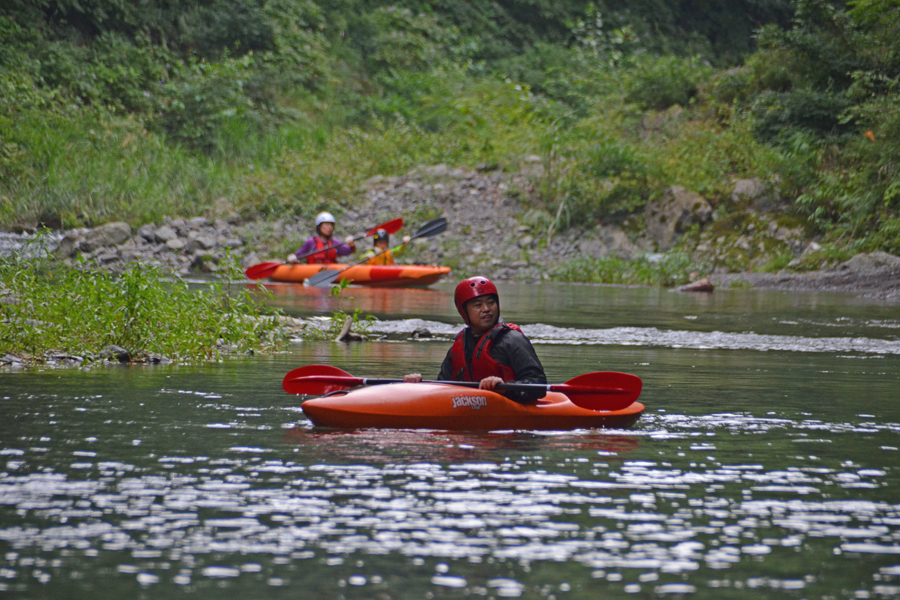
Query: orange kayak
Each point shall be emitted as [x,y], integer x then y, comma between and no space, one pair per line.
[369,275]
[450,407]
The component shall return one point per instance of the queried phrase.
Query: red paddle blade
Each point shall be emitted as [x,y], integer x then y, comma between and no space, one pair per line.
[314,388]
[390,227]
[262,270]
[602,390]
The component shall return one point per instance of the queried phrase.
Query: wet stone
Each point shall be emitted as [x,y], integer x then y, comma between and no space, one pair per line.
[116,353]
[10,360]
[67,359]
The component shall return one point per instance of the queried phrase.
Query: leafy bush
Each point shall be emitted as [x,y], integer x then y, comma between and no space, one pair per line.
[833,81]
[121,74]
[204,99]
[608,177]
[77,311]
[810,109]
[404,39]
[660,82]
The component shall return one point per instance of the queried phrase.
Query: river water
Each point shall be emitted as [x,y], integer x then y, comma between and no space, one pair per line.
[765,465]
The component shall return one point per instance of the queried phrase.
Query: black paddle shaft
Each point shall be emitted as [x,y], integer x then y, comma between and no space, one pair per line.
[502,387]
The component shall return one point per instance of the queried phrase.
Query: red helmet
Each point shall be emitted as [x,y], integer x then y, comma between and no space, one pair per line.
[471,288]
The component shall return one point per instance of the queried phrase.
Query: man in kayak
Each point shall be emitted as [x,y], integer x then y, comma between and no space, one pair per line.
[380,254]
[489,350]
[323,241]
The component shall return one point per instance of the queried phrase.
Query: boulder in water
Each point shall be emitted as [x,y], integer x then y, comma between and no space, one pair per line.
[701,285]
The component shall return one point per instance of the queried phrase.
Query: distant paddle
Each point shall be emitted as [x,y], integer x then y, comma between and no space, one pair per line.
[262,270]
[601,390]
[429,229]
[265,269]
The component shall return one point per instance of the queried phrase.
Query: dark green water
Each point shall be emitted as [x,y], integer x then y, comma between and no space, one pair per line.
[766,464]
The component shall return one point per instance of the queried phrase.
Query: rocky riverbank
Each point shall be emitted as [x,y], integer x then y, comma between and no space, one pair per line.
[499,228]
[875,276]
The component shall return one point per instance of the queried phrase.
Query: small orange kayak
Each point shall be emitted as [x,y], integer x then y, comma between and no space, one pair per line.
[450,407]
[369,275]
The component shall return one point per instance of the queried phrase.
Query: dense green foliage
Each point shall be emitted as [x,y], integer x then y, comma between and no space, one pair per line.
[827,93]
[134,110]
[52,309]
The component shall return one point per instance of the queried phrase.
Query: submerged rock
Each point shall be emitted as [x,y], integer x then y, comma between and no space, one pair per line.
[701,285]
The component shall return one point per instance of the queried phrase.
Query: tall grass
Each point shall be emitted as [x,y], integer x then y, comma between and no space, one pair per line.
[88,167]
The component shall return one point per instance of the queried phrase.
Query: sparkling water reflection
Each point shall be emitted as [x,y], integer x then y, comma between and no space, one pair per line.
[751,473]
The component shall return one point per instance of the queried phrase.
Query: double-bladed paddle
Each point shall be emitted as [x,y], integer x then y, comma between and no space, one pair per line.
[429,229]
[602,390]
[265,269]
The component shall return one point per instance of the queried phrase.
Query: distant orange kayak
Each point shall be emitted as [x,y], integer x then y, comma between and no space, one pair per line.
[375,276]
[450,407]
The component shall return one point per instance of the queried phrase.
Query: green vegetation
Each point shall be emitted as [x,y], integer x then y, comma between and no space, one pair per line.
[48,309]
[667,270]
[112,110]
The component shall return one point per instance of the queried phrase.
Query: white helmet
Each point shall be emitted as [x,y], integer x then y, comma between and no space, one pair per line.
[324,217]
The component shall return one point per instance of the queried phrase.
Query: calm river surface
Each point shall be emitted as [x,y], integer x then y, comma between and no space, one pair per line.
[765,465]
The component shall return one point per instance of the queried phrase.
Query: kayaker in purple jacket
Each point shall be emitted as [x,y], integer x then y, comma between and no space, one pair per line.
[322,241]
[489,350]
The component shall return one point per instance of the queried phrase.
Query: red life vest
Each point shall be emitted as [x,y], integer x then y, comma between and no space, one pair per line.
[483,364]
[328,256]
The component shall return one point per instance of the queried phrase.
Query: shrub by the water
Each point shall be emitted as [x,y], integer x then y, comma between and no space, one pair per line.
[50,309]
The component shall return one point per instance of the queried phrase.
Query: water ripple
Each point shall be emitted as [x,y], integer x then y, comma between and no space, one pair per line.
[651,336]
[462,511]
